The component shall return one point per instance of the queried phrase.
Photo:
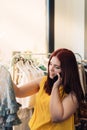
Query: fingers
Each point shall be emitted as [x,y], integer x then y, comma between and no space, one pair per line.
[59,78]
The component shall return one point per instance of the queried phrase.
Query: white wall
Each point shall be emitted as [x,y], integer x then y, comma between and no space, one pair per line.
[69,25]
[22,27]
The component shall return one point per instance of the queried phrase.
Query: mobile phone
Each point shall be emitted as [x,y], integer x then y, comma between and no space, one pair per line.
[55,78]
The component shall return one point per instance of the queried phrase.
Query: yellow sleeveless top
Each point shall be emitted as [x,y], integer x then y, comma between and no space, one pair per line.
[41,118]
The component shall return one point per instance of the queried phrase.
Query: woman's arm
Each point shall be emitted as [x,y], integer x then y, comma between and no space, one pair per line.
[27,89]
[61,110]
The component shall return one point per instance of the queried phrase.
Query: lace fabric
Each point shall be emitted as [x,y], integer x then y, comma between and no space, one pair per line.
[8,103]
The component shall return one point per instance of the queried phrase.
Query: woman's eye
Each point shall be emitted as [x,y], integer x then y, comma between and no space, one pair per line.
[57,67]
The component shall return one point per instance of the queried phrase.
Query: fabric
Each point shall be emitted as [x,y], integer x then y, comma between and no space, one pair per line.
[8,104]
[82,75]
[41,118]
[25,115]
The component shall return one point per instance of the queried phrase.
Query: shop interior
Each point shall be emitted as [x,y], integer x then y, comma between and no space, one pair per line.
[30,30]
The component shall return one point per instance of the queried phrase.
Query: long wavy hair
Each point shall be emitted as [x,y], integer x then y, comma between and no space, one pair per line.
[70,74]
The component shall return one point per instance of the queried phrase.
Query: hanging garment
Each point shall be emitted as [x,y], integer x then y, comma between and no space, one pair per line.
[25,115]
[8,104]
[82,77]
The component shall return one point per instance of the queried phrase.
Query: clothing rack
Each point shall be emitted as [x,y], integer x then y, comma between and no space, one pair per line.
[28,53]
[17,55]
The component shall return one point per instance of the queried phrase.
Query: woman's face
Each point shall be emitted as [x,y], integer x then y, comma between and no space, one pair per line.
[54,67]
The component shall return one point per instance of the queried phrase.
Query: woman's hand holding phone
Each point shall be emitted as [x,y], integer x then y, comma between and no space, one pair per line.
[57,80]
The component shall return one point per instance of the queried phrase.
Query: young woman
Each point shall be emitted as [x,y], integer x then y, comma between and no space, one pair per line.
[59,94]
